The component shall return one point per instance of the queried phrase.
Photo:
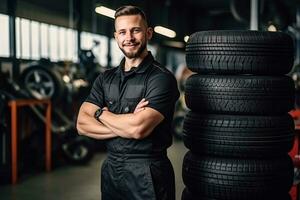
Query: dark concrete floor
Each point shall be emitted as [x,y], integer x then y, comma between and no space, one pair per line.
[78,182]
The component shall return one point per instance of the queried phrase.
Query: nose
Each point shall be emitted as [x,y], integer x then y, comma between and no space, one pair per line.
[129,35]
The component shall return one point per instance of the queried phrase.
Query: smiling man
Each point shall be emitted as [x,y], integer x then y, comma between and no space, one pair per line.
[131,107]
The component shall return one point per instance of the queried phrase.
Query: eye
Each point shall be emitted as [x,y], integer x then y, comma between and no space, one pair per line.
[122,32]
[136,30]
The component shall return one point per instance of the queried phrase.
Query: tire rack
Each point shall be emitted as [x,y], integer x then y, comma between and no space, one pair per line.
[14,104]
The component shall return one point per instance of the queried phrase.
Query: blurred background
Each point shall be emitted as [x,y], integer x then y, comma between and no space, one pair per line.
[55,49]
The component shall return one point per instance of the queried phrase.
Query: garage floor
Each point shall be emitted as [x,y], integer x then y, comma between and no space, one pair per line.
[78,182]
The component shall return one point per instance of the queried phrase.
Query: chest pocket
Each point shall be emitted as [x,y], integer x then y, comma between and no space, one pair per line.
[135,93]
[133,96]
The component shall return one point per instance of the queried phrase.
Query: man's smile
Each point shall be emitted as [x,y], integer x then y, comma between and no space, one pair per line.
[131,45]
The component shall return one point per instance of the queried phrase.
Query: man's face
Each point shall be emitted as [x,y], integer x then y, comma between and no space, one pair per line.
[132,35]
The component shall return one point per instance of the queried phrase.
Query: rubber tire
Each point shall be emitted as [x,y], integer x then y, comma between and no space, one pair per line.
[240,94]
[240,52]
[56,79]
[187,195]
[238,136]
[77,150]
[238,179]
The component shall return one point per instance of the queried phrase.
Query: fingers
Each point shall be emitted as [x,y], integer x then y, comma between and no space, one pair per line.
[105,108]
[143,100]
[141,105]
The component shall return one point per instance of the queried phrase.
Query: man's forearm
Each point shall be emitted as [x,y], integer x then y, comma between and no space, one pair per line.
[124,125]
[136,125]
[92,128]
[100,136]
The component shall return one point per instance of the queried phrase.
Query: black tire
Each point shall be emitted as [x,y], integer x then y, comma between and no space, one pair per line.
[238,136]
[238,179]
[42,82]
[78,150]
[251,95]
[188,195]
[240,52]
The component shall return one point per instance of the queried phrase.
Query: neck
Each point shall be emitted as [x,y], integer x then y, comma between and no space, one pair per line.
[134,62]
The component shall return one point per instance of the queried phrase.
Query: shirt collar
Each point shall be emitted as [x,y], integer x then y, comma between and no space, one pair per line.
[141,68]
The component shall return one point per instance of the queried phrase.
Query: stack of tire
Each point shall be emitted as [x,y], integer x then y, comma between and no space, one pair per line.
[238,130]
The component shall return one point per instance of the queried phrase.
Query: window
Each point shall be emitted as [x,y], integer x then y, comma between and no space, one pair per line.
[116,53]
[62,43]
[25,39]
[4,36]
[53,43]
[35,40]
[39,40]
[71,45]
[44,45]
[100,51]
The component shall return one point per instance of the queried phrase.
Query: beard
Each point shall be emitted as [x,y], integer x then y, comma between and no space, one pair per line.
[134,54]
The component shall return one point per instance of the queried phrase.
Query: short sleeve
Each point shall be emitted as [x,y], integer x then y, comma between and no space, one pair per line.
[162,93]
[96,95]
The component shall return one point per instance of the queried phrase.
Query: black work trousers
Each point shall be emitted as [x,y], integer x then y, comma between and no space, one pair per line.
[137,178]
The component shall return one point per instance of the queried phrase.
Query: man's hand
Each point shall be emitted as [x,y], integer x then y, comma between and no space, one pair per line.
[141,106]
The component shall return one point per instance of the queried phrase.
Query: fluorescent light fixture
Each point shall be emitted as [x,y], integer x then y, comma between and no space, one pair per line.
[165,31]
[102,10]
[186,38]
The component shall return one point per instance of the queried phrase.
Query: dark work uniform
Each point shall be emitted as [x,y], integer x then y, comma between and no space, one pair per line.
[138,169]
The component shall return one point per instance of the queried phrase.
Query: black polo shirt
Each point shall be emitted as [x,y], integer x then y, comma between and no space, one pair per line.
[121,92]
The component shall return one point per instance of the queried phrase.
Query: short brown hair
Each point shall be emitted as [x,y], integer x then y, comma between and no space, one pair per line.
[130,10]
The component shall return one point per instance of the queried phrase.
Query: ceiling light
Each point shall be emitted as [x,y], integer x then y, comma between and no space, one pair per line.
[102,10]
[186,38]
[272,28]
[165,31]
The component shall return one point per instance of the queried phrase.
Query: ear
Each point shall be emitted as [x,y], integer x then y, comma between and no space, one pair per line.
[115,35]
[149,33]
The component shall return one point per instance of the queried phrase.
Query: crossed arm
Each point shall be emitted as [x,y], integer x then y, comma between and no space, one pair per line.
[136,125]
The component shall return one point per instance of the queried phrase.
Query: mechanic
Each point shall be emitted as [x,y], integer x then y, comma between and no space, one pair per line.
[131,107]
